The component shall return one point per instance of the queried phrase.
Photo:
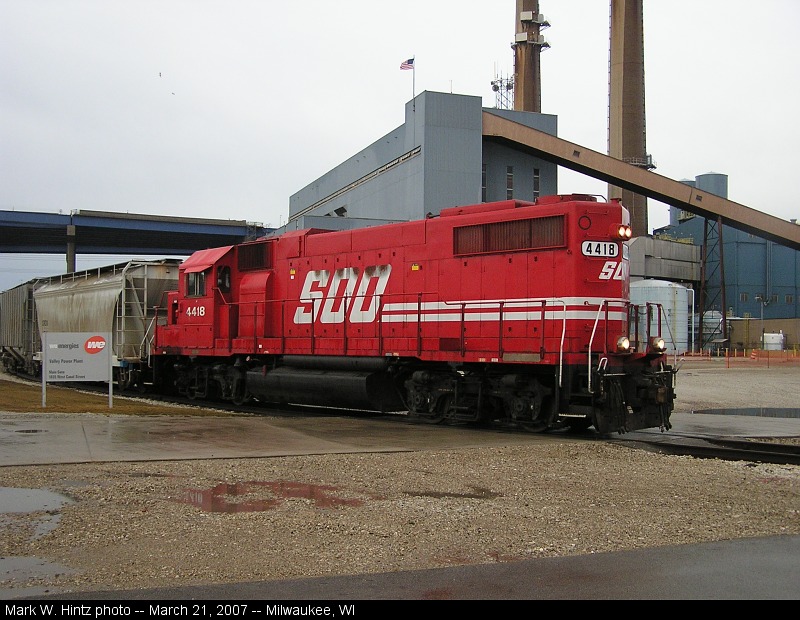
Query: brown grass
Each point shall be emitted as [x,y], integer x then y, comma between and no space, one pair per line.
[27,398]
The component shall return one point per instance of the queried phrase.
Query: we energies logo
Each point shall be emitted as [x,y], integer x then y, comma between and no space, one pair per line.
[95,344]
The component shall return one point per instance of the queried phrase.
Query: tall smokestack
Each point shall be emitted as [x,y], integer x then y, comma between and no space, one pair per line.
[528,45]
[626,114]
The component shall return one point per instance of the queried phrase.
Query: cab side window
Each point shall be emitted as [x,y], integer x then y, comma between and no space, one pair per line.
[196,284]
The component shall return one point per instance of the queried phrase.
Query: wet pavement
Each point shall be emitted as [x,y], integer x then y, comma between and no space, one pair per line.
[37,438]
[41,438]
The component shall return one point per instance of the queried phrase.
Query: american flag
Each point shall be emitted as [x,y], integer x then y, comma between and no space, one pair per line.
[407,64]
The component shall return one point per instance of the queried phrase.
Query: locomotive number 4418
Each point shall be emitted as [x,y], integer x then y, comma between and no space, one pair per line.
[607,249]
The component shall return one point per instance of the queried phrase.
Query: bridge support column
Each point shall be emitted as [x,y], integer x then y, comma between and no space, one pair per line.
[71,248]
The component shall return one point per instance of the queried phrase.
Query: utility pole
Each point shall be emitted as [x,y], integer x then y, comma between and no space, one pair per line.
[762,302]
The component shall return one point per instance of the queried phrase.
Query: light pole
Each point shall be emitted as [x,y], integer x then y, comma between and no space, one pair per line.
[762,303]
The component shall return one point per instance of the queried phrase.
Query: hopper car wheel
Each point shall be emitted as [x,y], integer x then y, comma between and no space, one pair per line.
[137,381]
[124,379]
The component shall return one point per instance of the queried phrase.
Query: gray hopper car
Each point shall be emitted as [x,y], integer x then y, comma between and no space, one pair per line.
[118,299]
[19,335]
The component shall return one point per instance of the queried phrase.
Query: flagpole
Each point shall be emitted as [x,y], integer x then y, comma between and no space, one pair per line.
[414,97]
[413,78]
[411,64]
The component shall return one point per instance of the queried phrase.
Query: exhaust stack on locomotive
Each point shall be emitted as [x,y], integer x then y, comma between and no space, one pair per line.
[512,313]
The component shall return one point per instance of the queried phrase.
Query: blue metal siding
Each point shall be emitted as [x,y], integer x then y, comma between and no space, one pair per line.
[753,266]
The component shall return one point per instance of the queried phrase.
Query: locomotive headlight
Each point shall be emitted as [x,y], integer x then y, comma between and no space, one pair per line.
[621,231]
[658,344]
[623,344]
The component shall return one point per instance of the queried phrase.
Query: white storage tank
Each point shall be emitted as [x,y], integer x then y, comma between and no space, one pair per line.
[773,342]
[712,330]
[675,300]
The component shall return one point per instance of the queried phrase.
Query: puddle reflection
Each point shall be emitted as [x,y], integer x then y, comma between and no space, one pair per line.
[262,496]
[13,499]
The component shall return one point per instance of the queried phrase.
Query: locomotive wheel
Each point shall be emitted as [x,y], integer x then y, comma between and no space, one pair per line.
[533,427]
[433,418]
[438,416]
[240,393]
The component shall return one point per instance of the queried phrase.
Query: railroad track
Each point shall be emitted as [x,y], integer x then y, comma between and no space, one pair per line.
[716,447]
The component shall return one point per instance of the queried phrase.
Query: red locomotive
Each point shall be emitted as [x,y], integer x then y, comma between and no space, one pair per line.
[510,312]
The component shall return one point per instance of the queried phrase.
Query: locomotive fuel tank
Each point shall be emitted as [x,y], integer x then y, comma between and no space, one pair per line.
[351,383]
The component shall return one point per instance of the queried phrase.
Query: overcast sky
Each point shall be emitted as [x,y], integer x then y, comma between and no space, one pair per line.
[223,109]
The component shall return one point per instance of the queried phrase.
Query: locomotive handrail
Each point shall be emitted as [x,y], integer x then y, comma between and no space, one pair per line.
[563,335]
[500,331]
[313,323]
[500,304]
[283,325]
[418,307]
[344,324]
[603,305]
[462,326]
[379,317]
[266,307]
[658,310]
[228,305]
[652,323]
[419,323]
[463,331]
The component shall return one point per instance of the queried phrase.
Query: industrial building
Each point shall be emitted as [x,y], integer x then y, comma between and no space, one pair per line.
[753,282]
[438,158]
